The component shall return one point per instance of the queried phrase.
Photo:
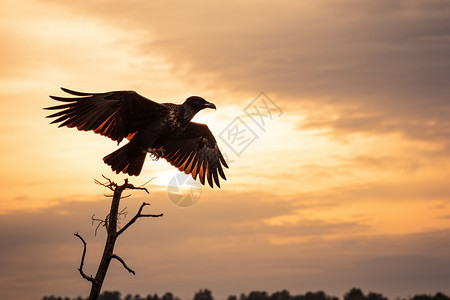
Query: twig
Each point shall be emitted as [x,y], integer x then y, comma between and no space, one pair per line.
[129,186]
[100,222]
[123,263]
[137,216]
[109,184]
[121,215]
[88,278]
[147,182]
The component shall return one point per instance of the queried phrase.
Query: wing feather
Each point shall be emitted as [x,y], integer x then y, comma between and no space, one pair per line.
[78,93]
[195,152]
[116,115]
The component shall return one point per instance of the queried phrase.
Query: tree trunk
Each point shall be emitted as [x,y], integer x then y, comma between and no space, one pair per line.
[111,230]
[110,223]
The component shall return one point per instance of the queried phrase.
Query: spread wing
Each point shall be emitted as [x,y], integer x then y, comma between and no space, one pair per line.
[116,115]
[195,152]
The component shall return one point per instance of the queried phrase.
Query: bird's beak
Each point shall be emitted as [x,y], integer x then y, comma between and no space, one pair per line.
[210,105]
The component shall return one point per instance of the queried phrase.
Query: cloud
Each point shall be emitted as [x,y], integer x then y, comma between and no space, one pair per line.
[387,61]
[224,243]
[290,49]
[345,122]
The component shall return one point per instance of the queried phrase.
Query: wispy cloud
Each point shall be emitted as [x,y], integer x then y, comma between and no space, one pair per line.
[222,240]
[387,62]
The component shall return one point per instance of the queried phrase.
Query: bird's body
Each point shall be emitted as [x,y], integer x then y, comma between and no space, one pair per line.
[162,129]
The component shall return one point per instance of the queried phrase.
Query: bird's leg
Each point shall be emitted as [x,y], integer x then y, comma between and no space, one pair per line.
[155,154]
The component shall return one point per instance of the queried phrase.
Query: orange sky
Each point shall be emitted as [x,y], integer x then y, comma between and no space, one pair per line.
[344,184]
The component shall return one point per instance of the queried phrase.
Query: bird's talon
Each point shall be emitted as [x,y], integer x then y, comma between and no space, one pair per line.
[155,154]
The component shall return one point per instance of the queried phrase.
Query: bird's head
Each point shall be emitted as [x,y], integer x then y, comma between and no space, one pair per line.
[197,103]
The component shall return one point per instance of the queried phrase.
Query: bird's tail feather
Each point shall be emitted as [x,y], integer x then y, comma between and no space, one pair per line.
[128,159]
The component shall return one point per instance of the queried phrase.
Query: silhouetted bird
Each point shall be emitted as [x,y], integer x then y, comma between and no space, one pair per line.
[161,129]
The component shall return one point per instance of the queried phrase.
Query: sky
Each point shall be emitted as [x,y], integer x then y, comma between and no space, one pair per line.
[339,176]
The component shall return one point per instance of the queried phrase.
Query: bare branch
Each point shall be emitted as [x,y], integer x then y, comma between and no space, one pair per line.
[88,278]
[137,216]
[146,182]
[109,180]
[121,215]
[129,186]
[126,186]
[98,220]
[109,184]
[101,222]
[150,216]
[123,263]
[133,219]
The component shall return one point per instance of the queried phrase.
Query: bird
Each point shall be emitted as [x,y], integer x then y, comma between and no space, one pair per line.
[162,130]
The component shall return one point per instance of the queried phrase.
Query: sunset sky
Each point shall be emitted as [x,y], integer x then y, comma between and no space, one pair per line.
[344,182]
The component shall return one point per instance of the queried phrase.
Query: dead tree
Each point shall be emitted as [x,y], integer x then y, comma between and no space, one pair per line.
[110,223]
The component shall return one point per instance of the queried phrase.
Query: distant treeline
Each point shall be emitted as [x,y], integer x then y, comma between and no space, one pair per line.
[205,294]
